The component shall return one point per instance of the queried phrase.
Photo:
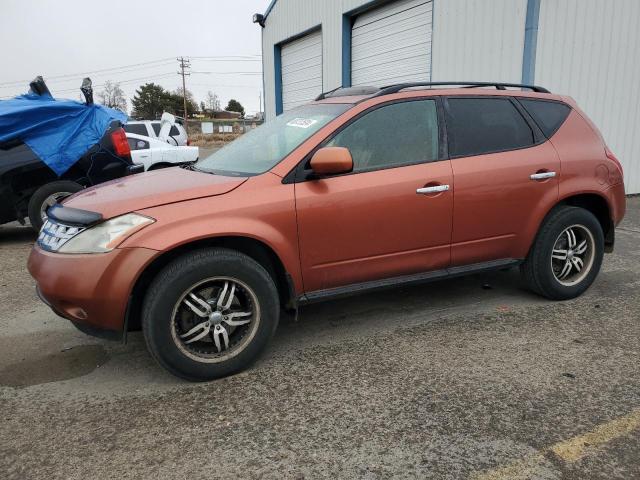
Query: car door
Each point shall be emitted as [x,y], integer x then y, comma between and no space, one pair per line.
[392,215]
[503,170]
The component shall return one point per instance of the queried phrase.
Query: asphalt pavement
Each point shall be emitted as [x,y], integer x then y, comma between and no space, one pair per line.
[466,378]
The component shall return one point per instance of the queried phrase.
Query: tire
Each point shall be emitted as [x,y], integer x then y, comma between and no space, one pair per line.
[45,195]
[551,268]
[168,317]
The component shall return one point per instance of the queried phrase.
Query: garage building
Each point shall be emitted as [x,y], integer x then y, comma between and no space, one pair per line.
[584,48]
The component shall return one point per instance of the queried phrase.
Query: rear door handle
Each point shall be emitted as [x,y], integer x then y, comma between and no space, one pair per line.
[542,175]
[434,189]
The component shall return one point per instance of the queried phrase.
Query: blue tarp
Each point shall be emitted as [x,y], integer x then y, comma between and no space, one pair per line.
[59,132]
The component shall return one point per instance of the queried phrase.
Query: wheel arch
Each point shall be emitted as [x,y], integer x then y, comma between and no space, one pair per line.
[254,248]
[593,202]
[600,208]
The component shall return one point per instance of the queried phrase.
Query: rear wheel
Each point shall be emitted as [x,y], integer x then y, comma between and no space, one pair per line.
[566,255]
[47,196]
[210,314]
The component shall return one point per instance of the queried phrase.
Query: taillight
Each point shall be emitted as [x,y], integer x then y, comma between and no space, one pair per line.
[188,142]
[120,144]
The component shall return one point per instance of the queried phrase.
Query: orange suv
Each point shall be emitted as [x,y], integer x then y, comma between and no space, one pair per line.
[364,188]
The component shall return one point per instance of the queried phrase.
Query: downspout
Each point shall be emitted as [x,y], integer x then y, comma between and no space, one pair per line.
[530,42]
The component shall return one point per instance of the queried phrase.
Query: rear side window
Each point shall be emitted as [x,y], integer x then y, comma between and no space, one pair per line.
[548,115]
[137,128]
[392,135]
[156,127]
[137,144]
[485,125]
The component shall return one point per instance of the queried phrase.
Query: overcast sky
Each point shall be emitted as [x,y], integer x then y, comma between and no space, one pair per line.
[77,38]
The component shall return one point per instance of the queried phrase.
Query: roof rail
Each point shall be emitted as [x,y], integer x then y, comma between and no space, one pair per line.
[498,85]
[347,92]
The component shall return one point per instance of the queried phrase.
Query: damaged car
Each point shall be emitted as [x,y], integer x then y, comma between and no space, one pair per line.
[50,149]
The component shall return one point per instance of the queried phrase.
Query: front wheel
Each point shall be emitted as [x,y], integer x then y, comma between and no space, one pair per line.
[566,255]
[209,314]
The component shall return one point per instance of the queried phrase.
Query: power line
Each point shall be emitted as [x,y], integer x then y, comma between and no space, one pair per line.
[124,82]
[229,73]
[227,57]
[132,80]
[88,72]
[111,76]
[149,64]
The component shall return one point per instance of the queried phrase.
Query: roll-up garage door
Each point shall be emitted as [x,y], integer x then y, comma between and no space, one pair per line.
[392,44]
[301,70]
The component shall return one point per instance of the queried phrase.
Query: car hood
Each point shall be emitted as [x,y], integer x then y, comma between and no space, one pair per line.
[151,189]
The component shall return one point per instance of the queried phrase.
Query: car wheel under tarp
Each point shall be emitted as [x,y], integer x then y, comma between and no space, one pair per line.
[46,196]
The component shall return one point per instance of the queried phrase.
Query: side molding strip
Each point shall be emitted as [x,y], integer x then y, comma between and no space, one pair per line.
[416,278]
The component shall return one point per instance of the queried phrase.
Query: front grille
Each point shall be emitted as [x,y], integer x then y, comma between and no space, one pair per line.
[54,235]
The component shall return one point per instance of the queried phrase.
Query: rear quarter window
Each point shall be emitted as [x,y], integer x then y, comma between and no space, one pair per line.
[547,114]
[478,126]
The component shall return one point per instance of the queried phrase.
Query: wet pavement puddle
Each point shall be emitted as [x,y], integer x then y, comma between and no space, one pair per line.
[63,365]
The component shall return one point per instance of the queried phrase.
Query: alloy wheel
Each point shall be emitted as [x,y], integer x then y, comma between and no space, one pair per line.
[215,319]
[572,255]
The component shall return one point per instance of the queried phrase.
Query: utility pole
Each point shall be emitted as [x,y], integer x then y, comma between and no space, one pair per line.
[184,66]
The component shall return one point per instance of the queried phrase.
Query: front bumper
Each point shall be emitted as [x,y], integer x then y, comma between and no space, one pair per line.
[90,290]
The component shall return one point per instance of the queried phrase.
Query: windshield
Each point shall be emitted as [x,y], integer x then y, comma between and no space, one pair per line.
[261,149]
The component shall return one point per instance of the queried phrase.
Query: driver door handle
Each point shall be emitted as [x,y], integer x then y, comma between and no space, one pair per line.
[542,175]
[434,189]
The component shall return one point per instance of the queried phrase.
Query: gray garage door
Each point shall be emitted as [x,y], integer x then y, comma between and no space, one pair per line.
[301,70]
[392,44]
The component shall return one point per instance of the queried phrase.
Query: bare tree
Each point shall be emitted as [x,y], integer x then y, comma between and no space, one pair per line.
[213,101]
[112,96]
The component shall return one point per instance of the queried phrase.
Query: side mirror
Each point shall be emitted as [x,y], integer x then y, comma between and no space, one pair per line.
[331,161]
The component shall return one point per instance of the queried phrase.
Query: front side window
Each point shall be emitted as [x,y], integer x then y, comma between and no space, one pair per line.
[484,125]
[393,135]
[264,147]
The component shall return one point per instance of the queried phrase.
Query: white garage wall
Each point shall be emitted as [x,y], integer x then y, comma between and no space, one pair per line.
[392,44]
[301,70]
[479,40]
[289,18]
[590,50]
[472,39]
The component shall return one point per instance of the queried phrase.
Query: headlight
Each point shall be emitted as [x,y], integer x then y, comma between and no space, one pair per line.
[106,236]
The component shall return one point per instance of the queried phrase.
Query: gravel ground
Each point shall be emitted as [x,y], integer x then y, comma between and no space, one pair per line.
[468,378]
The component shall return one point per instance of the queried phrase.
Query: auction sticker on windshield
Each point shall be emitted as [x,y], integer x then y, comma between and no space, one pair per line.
[302,122]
